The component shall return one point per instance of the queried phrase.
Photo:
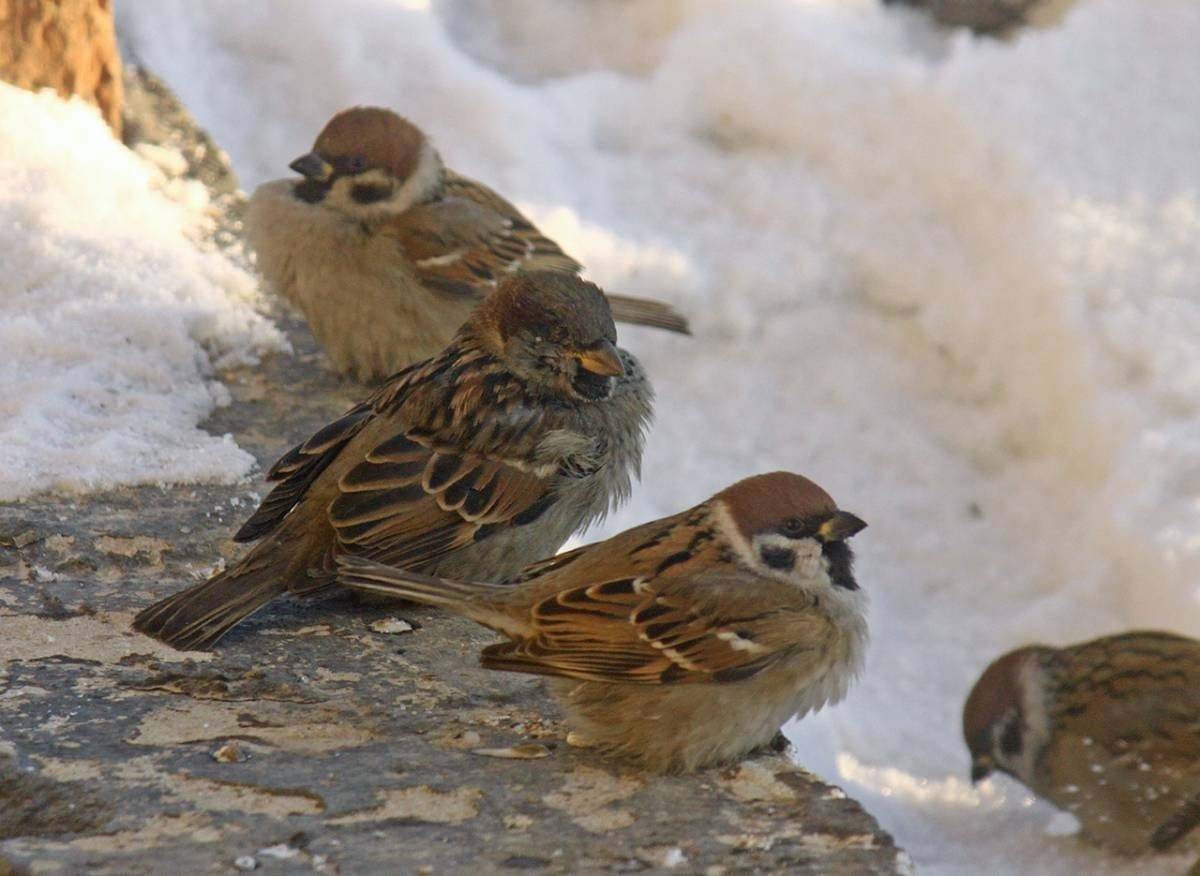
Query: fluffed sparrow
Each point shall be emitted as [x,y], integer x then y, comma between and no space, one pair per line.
[684,642]
[1108,730]
[526,428]
[386,251]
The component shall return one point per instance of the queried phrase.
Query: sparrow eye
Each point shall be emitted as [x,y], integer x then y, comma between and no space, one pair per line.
[358,164]
[793,527]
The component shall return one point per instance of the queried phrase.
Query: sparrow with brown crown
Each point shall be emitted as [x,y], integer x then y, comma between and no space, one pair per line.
[526,428]
[1108,730]
[684,642]
[386,251]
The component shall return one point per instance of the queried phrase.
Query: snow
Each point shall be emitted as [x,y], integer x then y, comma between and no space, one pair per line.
[111,320]
[955,281]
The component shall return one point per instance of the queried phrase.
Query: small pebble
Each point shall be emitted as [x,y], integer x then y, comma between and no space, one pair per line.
[673,857]
[391,625]
[245,862]
[530,751]
[280,852]
[230,752]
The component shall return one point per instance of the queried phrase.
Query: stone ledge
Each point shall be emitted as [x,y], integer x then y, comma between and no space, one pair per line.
[323,737]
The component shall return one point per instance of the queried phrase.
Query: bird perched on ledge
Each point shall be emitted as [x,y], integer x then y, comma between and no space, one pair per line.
[386,251]
[684,642]
[1108,730]
[525,429]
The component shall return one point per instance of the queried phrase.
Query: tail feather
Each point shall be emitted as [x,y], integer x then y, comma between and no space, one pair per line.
[643,311]
[367,576]
[195,618]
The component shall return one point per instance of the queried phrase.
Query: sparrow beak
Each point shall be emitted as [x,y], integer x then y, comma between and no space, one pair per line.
[601,359]
[981,768]
[840,527]
[312,166]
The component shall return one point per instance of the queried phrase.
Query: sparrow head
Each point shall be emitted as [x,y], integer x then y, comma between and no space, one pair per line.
[369,163]
[554,331]
[785,526]
[1004,717]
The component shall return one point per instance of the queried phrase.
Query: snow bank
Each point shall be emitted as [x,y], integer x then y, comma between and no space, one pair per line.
[111,319]
[954,281]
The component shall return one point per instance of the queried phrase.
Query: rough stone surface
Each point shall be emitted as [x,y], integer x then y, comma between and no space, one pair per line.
[993,17]
[67,45]
[325,736]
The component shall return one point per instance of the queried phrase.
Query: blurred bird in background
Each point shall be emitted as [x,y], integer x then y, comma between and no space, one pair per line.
[1108,730]
[386,251]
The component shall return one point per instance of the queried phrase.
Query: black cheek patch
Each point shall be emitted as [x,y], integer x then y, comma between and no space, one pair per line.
[778,557]
[369,194]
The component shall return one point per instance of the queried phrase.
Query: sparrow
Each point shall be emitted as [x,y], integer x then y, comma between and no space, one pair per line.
[1108,730]
[684,642]
[386,251]
[525,429]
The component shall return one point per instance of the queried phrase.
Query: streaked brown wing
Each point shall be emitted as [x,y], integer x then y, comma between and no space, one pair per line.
[295,471]
[546,253]
[1147,685]
[408,504]
[463,247]
[639,631]
[466,242]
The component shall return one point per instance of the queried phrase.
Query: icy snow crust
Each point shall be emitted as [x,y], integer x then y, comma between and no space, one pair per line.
[953,281]
[111,319]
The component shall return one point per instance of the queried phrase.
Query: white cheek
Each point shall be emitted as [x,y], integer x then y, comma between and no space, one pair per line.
[340,196]
[809,561]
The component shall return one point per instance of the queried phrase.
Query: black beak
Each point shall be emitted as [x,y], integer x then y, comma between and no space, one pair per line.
[840,527]
[312,166]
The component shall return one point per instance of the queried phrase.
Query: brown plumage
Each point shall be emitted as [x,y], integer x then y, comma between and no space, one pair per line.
[683,642]
[386,251]
[525,429]
[1108,730]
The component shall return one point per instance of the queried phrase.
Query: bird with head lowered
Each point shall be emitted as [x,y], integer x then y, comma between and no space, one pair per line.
[526,428]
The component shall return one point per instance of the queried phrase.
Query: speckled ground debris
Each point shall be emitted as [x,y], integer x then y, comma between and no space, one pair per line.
[328,736]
